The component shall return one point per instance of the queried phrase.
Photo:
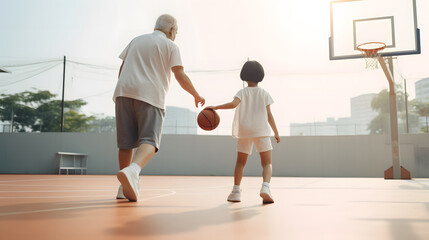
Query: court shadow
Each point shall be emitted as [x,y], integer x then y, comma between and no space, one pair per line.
[173,223]
[415,185]
[400,228]
[56,210]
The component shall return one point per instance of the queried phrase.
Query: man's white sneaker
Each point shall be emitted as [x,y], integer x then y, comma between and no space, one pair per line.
[235,196]
[120,194]
[130,183]
[266,195]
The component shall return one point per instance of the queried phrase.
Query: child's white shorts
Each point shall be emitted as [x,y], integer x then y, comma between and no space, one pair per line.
[262,144]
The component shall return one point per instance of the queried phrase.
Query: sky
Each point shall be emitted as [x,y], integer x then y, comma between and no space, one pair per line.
[288,37]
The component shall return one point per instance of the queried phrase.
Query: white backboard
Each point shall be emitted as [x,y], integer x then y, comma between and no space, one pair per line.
[393,22]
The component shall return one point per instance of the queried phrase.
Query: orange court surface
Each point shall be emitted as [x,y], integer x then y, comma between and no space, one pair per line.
[184,207]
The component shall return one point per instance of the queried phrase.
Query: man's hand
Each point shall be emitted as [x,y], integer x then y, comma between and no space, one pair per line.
[199,99]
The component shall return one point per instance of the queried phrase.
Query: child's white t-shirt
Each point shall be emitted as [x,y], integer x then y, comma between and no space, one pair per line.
[251,118]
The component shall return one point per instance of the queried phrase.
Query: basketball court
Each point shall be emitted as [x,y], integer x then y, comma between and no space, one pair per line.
[176,207]
[195,207]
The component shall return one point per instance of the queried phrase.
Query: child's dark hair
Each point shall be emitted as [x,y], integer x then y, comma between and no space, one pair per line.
[252,71]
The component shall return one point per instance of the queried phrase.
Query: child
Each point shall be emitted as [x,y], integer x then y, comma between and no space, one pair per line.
[251,125]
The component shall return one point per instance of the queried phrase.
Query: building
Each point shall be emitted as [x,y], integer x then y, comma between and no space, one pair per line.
[357,124]
[422,90]
[332,127]
[362,113]
[5,127]
[422,95]
[180,121]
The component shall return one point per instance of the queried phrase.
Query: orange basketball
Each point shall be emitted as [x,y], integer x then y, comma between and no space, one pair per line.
[208,119]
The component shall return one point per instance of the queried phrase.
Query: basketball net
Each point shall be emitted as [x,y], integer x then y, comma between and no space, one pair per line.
[371,52]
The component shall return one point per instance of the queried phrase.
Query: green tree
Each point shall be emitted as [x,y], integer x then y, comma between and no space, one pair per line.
[422,109]
[38,111]
[103,124]
[381,123]
[75,122]
[413,119]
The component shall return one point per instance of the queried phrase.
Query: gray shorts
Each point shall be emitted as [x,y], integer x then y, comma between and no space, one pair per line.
[137,122]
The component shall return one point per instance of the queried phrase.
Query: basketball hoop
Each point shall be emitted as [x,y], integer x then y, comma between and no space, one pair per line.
[371,52]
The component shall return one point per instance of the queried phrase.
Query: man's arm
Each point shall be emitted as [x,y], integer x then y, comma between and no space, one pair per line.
[273,124]
[187,85]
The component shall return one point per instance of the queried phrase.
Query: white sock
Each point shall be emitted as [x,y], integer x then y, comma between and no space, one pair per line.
[136,168]
[236,187]
[266,184]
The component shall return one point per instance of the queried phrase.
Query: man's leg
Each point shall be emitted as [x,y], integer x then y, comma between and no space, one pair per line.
[129,176]
[125,157]
[148,122]
[144,154]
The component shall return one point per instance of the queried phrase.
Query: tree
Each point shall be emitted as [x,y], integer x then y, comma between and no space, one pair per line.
[38,111]
[422,109]
[381,123]
[413,119]
[103,124]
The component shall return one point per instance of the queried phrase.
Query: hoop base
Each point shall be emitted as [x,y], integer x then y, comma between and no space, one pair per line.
[405,174]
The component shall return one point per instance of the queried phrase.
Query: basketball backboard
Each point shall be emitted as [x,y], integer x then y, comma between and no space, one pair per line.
[393,22]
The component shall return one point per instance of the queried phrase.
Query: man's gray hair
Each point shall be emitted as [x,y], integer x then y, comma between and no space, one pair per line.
[166,22]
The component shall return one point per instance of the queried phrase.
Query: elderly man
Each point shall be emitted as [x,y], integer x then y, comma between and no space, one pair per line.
[144,79]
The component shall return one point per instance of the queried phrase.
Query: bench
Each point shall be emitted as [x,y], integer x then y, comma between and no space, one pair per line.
[72,161]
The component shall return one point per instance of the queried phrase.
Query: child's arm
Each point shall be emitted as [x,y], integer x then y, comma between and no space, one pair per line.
[233,104]
[273,124]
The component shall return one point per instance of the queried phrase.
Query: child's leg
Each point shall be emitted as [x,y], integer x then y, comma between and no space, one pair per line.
[235,195]
[239,167]
[267,169]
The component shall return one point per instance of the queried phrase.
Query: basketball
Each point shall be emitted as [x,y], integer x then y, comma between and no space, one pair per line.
[208,119]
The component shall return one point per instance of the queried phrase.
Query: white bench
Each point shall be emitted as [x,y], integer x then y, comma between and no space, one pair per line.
[72,161]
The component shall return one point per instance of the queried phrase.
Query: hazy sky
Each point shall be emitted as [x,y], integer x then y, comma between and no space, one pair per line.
[288,37]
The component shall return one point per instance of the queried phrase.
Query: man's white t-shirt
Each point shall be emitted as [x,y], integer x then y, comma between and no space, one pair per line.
[145,75]
[251,117]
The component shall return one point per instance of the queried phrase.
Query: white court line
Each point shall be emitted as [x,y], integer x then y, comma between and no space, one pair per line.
[83,207]
[60,191]
[113,187]
[29,180]
[46,191]
[71,196]
[21,185]
[57,179]
[54,197]
[85,196]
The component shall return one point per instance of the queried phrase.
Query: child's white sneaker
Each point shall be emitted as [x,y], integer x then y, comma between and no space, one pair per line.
[235,195]
[130,183]
[266,194]
[120,194]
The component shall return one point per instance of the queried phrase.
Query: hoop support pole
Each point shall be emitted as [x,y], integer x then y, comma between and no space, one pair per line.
[394,135]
